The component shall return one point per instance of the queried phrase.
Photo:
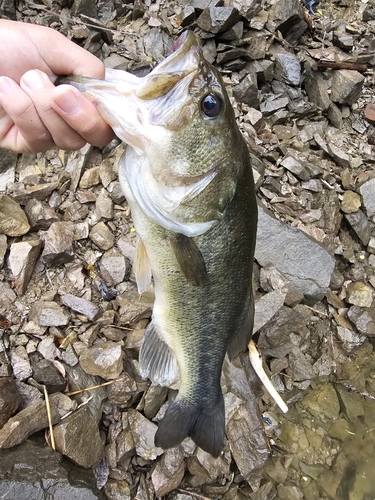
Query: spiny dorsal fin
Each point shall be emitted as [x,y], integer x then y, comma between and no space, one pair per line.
[189,257]
[142,269]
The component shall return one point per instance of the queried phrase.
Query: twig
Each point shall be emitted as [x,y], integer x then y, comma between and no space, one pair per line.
[193,494]
[316,66]
[93,387]
[78,407]
[256,363]
[49,419]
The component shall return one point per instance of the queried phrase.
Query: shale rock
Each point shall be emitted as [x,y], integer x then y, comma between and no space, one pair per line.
[58,244]
[104,360]
[367,191]
[34,418]
[82,306]
[143,432]
[40,215]
[32,470]
[45,313]
[10,399]
[78,438]
[3,248]
[217,19]
[102,236]
[169,471]
[346,86]
[307,265]
[13,221]
[22,259]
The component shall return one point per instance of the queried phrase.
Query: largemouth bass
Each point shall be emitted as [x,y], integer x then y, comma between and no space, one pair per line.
[187,177]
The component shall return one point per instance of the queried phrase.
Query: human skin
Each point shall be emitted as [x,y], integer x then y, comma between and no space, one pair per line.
[34,114]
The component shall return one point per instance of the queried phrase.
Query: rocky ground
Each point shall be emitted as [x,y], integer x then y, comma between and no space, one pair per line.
[302,87]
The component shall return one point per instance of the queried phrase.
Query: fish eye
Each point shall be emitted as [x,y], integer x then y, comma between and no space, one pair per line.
[211,105]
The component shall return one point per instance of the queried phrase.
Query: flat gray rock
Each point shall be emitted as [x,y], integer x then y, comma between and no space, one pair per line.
[300,259]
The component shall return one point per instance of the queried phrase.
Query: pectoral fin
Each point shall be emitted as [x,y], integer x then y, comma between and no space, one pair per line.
[157,361]
[142,268]
[189,257]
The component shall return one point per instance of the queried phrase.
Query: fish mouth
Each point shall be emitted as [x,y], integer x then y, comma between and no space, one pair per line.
[180,63]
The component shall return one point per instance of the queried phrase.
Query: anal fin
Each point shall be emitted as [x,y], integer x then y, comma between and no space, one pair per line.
[189,258]
[142,269]
[157,361]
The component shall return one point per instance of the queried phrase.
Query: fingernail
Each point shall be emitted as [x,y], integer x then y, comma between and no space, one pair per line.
[35,79]
[68,102]
[6,85]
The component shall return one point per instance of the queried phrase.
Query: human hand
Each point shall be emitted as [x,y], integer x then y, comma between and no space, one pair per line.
[34,114]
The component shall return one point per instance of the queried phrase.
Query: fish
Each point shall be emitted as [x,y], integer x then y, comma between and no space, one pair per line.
[187,177]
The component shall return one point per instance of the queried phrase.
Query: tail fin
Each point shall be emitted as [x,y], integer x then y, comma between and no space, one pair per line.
[204,425]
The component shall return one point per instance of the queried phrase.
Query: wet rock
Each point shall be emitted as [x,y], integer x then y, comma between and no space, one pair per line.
[20,363]
[102,236]
[351,202]
[75,212]
[367,191]
[289,493]
[287,68]
[113,267]
[287,249]
[363,319]
[359,294]
[13,220]
[245,435]
[32,470]
[34,418]
[81,306]
[143,432]
[22,259]
[104,360]
[266,307]
[47,374]
[169,471]
[78,438]
[351,402]
[346,86]
[217,19]
[10,399]
[45,313]
[40,215]
[247,91]
[299,367]
[263,70]
[322,402]
[359,223]
[58,244]
[90,178]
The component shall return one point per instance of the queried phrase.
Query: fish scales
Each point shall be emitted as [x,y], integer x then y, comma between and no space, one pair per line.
[188,180]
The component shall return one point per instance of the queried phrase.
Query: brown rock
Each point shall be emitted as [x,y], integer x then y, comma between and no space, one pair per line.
[10,400]
[370,113]
[13,220]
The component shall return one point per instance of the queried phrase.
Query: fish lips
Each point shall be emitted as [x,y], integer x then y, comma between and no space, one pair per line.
[128,103]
